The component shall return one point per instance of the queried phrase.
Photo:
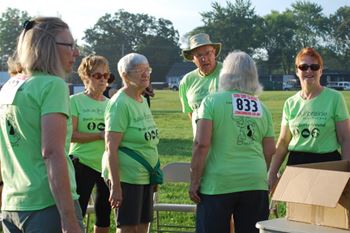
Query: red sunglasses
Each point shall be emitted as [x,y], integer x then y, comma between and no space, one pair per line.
[98,76]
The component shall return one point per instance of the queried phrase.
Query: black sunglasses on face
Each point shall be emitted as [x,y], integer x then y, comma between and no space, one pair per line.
[305,67]
[98,76]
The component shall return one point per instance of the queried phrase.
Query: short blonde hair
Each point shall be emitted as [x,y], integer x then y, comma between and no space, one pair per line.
[89,64]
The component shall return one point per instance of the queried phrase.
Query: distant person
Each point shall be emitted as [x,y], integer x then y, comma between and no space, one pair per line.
[131,134]
[39,192]
[202,81]
[110,89]
[148,93]
[315,121]
[88,145]
[232,151]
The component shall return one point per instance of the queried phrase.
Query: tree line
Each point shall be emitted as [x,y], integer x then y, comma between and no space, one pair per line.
[273,40]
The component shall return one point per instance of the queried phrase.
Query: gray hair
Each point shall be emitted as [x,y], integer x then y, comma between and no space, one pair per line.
[239,73]
[36,48]
[129,61]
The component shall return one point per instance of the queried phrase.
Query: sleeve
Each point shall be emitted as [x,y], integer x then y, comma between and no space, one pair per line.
[116,116]
[183,96]
[341,109]
[285,114]
[205,110]
[74,105]
[55,98]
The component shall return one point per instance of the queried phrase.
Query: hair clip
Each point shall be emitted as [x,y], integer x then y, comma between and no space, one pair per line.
[28,24]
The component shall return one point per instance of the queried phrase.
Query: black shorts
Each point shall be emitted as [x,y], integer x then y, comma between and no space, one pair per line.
[248,207]
[137,205]
[297,157]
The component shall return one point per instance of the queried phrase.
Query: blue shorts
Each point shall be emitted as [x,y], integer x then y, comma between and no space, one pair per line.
[248,207]
[38,221]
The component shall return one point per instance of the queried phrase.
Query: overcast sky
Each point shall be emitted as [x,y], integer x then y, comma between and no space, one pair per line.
[184,14]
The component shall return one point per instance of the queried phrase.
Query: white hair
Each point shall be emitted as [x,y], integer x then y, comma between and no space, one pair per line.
[239,73]
[129,61]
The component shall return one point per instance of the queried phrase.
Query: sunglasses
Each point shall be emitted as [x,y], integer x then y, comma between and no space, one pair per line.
[98,76]
[305,67]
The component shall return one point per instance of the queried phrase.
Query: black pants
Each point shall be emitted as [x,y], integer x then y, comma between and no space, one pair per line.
[297,157]
[87,178]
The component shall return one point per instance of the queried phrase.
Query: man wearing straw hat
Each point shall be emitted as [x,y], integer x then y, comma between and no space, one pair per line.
[202,81]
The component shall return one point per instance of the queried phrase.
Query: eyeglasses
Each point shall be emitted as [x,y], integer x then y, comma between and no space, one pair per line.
[98,76]
[141,71]
[206,54]
[72,46]
[305,67]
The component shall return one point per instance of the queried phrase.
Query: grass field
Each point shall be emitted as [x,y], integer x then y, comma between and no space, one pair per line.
[176,141]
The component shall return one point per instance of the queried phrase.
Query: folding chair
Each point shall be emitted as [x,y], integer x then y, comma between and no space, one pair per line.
[174,172]
[89,210]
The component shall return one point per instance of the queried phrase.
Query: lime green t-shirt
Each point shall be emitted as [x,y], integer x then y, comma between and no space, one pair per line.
[26,186]
[235,159]
[313,122]
[90,116]
[194,87]
[140,133]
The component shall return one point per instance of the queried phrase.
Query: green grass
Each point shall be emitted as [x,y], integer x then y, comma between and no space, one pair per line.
[176,143]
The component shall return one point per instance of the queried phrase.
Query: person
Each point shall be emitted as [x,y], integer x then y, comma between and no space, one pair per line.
[232,151]
[110,90]
[87,145]
[148,93]
[130,124]
[202,81]
[315,121]
[39,193]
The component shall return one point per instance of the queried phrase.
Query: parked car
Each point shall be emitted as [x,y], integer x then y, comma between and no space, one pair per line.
[174,86]
[341,85]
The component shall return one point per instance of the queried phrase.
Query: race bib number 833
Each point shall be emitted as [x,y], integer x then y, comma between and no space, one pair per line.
[246,105]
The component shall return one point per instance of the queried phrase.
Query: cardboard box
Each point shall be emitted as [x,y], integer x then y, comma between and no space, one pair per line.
[317,193]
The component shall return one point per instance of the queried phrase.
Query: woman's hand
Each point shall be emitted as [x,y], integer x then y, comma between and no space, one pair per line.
[193,193]
[115,196]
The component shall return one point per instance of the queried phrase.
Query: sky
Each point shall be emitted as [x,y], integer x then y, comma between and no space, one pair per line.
[184,14]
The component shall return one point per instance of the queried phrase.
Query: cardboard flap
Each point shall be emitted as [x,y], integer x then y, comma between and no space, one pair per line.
[311,186]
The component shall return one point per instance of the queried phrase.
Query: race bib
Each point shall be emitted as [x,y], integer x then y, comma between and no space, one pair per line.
[246,105]
[10,88]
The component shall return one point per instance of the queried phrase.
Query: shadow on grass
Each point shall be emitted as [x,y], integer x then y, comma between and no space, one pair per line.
[178,147]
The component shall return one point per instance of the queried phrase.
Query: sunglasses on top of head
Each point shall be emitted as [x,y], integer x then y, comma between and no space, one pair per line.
[305,67]
[98,76]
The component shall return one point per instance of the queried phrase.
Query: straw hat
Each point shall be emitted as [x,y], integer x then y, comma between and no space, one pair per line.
[199,40]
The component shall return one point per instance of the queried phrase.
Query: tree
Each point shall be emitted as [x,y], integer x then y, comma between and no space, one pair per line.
[237,26]
[278,30]
[116,35]
[311,24]
[11,22]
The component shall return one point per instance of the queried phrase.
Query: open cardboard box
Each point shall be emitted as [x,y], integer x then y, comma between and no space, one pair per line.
[317,193]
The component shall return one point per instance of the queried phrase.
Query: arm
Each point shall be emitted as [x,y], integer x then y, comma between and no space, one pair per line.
[269,148]
[199,155]
[280,154]
[53,137]
[84,137]
[343,136]
[113,140]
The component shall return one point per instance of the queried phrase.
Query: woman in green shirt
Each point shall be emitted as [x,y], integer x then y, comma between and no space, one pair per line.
[39,192]
[130,124]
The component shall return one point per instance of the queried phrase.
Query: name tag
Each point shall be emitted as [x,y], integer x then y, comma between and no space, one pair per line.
[246,105]
[10,88]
